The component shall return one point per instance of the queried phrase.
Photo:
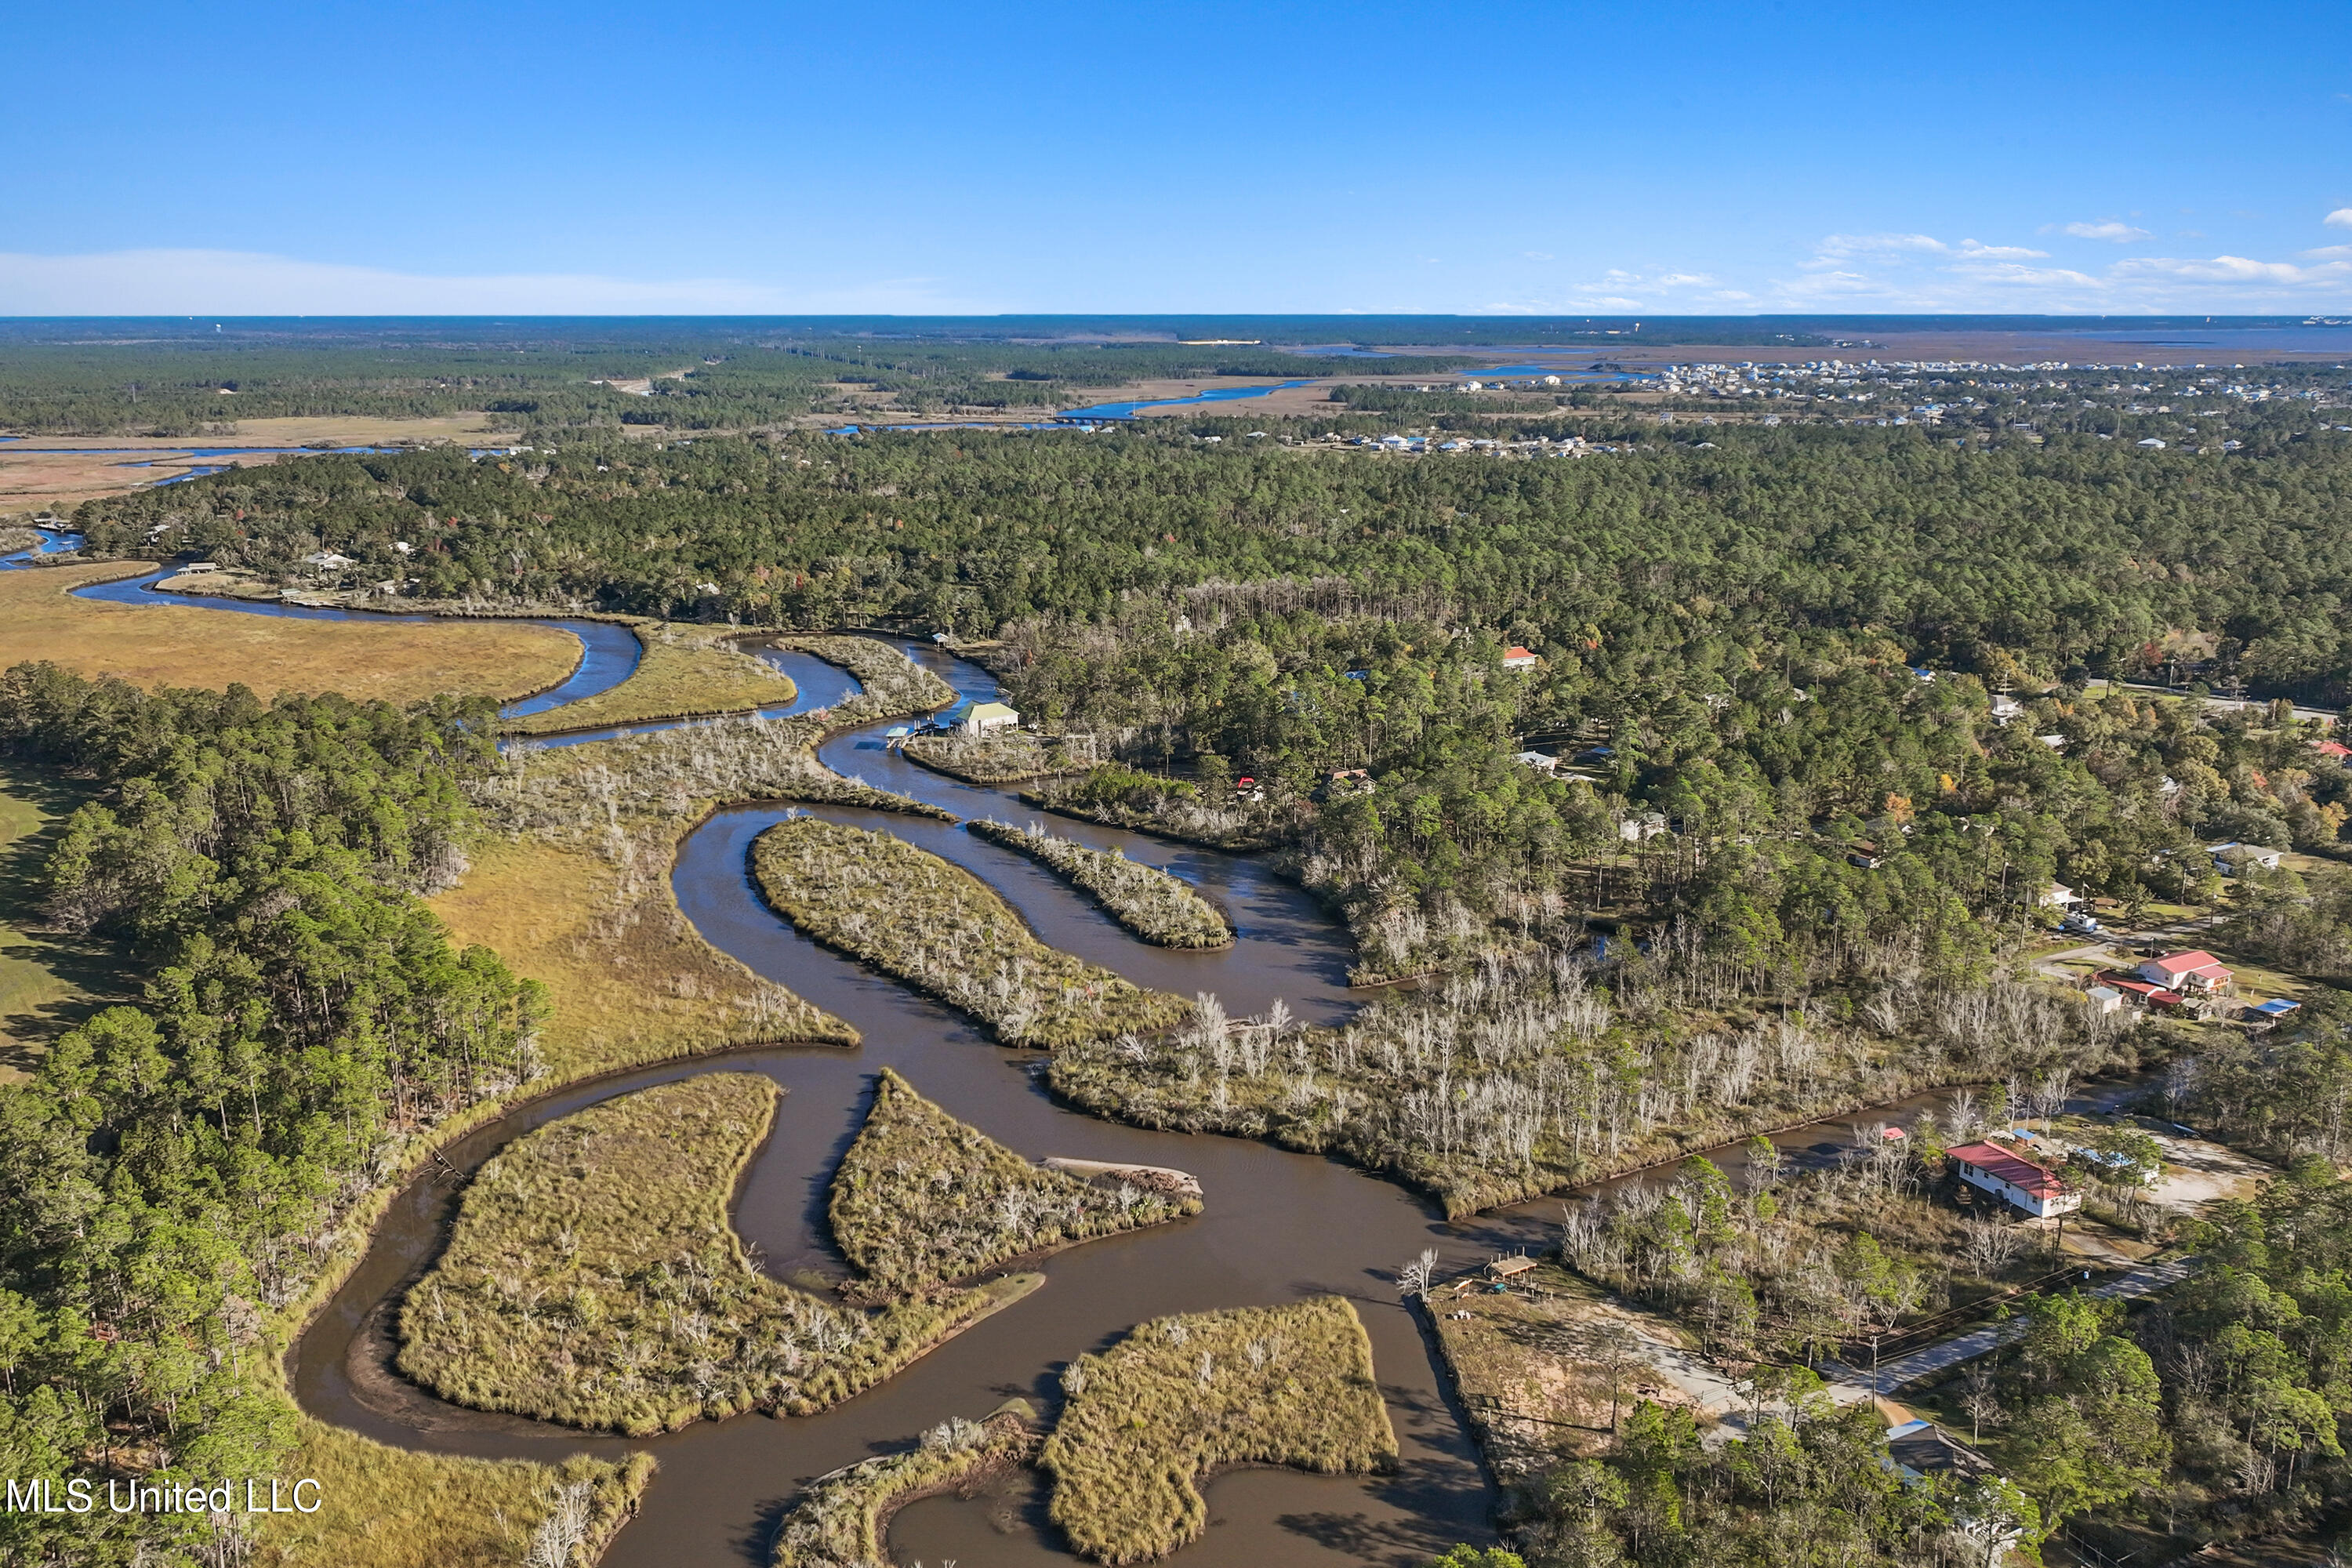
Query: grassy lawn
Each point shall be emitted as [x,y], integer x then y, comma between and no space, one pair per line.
[167,645]
[1182,1396]
[921,1198]
[1150,902]
[844,1518]
[593,1278]
[685,672]
[48,981]
[938,928]
[629,977]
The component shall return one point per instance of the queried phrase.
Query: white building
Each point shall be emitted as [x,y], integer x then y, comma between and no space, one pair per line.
[2010,1177]
[987,716]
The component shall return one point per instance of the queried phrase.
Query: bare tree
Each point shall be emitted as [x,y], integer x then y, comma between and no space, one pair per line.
[1981,1399]
[563,1530]
[1414,1280]
[1990,1246]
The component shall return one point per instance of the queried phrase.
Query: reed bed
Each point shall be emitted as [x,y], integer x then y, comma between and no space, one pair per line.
[1004,756]
[922,1198]
[938,929]
[843,1520]
[381,1506]
[1152,903]
[686,672]
[592,1279]
[1182,1396]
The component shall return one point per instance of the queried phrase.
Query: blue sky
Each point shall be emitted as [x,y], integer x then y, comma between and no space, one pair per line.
[1564,158]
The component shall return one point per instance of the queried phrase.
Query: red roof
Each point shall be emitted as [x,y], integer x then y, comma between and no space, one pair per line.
[2154,996]
[2336,749]
[2180,966]
[2015,1169]
[1517,653]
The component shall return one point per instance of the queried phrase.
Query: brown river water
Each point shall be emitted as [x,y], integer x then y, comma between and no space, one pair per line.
[1278,1226]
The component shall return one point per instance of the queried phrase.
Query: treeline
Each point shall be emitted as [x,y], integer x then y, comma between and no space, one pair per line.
[171,1170]
[725,376]
[2082,553]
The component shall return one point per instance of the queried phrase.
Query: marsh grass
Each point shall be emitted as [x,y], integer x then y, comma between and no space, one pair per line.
[166,645]
[936,928]
[391,1508]
[843,1521]
[1119,798]
[576,890]
[1002,756]
[1153,904]
[629,979]
[1182,1396]
[922,1198]
[685,672]
[592,1279]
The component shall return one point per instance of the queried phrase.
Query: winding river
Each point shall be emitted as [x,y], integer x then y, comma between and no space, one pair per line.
[1278,1226]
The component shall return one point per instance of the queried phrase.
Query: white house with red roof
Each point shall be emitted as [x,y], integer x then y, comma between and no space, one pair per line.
[2195,971]
[2010,1175]
[1517,657]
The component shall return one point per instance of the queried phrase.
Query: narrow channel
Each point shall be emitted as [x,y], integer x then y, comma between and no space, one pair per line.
[1278,1227]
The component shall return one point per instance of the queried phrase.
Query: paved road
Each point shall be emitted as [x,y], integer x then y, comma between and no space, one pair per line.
[1944,1354]
[2320,715]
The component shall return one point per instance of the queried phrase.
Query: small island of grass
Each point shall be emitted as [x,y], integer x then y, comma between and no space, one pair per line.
[685,672]
[1002,756]
[592,1279]
[843,1518]
[934,926]
[922,1198]
[1182,1396]
[1151,903]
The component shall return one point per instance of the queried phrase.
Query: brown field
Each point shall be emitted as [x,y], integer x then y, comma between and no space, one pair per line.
[172,646]
[97,465]
[631,980]
[363,430]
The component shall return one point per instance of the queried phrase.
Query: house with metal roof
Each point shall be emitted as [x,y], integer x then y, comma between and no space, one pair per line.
[2194,970]
[2036,1188]
[989,716]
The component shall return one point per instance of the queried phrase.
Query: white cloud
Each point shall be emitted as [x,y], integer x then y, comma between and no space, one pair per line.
[243,283]
[2106,228]
[2328,250]
[1838,247]
[2234,269]
[2341,218]
[1880,244]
